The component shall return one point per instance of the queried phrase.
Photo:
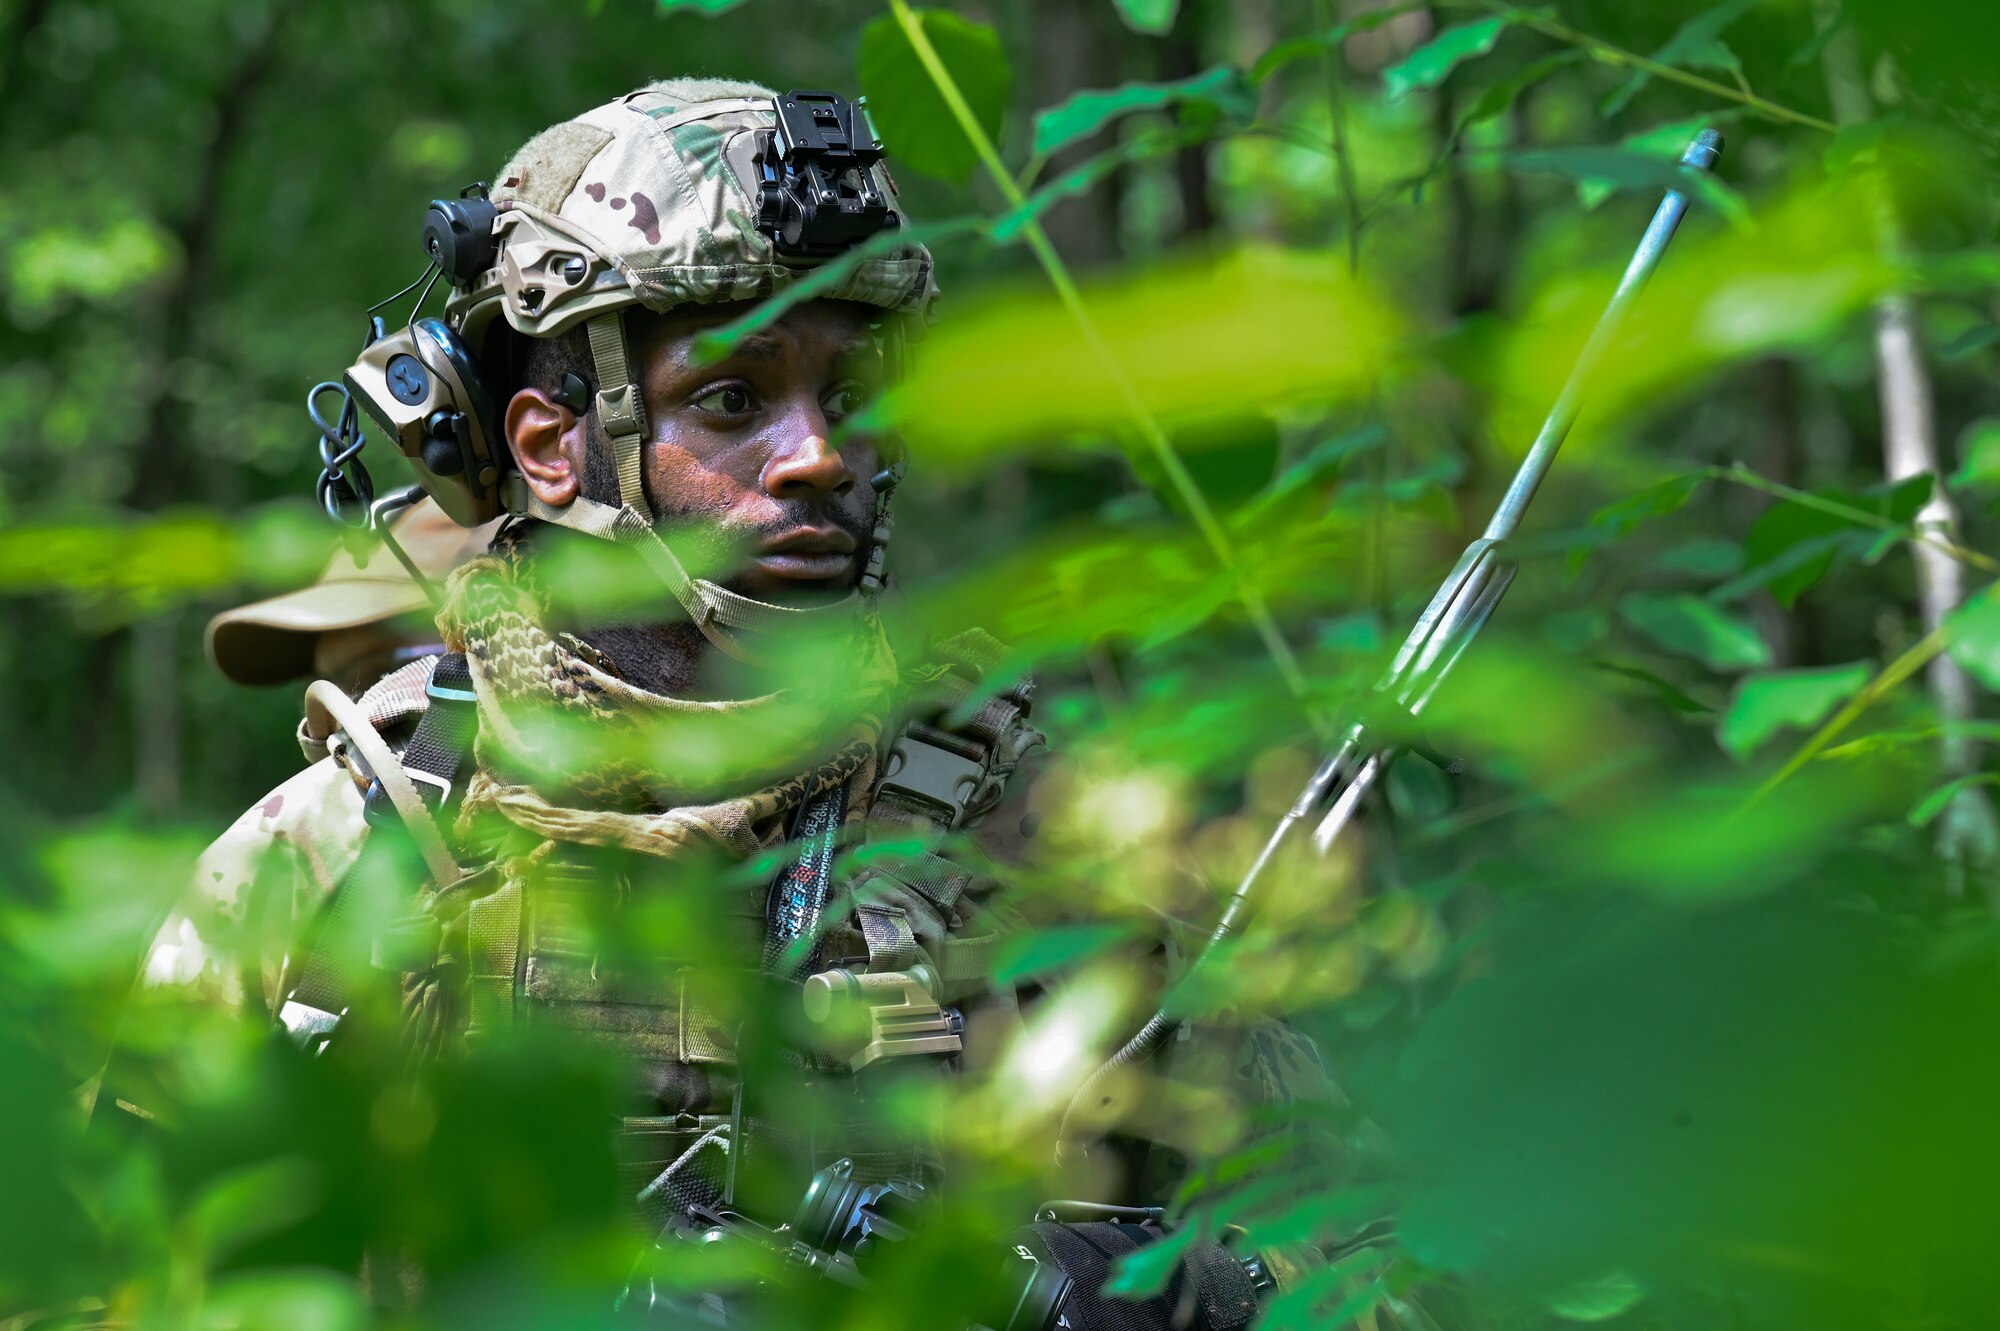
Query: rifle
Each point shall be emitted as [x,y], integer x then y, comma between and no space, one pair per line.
[1454,617]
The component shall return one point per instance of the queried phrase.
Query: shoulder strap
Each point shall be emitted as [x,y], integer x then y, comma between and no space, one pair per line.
[438,754]
[440,751]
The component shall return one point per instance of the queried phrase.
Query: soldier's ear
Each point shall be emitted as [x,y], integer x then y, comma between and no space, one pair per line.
[547,440]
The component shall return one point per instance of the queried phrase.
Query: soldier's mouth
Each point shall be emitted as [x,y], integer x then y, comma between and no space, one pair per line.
[808,554]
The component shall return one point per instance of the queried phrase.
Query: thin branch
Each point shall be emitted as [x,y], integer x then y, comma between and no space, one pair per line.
[1336,104]
[1742,475]
[1618,55]
[1060,278]
[1892,676]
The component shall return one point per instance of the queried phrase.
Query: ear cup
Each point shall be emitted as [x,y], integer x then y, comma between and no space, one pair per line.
[424,387]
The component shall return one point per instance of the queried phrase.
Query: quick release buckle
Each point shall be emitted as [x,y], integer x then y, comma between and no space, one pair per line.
[940,783]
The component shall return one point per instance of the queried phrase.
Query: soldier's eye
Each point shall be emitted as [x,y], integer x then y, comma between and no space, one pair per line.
[845,400]
[728,400]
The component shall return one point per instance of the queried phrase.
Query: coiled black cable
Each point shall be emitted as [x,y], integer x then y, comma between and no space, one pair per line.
[344,489]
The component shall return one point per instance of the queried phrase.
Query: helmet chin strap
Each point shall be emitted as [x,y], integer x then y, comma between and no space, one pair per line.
[725,618]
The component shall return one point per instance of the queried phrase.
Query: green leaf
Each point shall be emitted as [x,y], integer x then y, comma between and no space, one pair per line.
[1979,449]
[1155,18]
[1321,462]
[1689,626]
[1432,63]
[1598,1300]
[1792,545]
[1223,88]
[1670,694]
[1622,517]
[1494,100]
[1706,560]
[1621,168]
[1765,704]
[707,8]
[1666,141]
[1975,637]
[1696,45]
[907,109]
[1937,801]
[303,1300]
[1055,949]
[1974,339]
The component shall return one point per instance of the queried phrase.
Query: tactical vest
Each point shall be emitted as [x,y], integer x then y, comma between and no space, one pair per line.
[909,945]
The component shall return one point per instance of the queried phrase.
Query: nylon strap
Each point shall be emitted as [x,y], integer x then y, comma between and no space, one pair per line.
[493,936]
[967,958]
[797,899]
[382,761]
[620,408]
[442,743]
[886,929]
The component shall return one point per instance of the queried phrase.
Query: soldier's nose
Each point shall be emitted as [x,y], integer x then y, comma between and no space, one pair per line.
[808,466]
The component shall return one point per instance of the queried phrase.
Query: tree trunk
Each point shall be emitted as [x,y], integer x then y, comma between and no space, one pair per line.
[1969,832]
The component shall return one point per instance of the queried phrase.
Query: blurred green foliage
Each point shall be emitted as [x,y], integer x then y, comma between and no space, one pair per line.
[1671,1005]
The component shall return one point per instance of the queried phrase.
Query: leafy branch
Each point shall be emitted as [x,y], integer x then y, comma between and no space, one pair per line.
[1742,475]
[1892,676]
[1545,22]
[1060,278]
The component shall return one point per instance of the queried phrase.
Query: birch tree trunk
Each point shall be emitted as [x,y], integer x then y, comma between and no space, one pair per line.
[1969,832]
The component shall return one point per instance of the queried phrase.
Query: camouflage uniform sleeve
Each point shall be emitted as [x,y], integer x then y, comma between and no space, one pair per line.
[256,885]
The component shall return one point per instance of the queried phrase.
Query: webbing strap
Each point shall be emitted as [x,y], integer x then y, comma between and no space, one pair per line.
[967,959]
[938,879]
[320,982]
[388,771]
[620,408]
[439,748]
[798,898]
[493,936]
[886,930]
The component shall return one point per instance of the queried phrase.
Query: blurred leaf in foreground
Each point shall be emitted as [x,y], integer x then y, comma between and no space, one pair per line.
[1251,331]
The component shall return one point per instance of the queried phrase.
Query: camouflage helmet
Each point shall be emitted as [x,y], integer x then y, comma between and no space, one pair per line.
[652,200]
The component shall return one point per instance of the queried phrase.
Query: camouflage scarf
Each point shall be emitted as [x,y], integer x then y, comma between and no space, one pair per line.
[571,752]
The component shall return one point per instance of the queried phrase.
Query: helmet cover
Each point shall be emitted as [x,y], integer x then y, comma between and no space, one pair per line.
[652,200]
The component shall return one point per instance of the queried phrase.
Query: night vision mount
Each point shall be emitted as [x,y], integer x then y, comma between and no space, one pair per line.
[817,193]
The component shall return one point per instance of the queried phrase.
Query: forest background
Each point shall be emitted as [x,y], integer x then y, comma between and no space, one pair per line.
[1673,1004]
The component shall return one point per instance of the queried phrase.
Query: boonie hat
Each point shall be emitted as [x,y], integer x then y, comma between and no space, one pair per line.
[271,641]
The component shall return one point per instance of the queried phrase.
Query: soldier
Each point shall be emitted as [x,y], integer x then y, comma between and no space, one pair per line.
[756,711]
[630,822]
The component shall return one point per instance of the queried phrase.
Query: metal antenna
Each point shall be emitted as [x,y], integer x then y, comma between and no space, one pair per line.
[1461,607]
